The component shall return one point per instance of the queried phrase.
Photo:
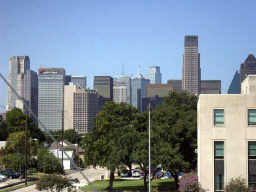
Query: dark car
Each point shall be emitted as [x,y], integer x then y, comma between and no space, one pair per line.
[10,174]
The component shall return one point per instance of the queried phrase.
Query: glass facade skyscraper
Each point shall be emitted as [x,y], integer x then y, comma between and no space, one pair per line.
[122,89]
[139,85]
[79,81]
[154,75]
[51,98]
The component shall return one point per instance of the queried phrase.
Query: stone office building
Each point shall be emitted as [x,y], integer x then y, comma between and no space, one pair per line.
[227,137]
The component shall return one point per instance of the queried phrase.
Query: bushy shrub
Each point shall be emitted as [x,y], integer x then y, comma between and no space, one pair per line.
[237,185]
[48,163]
[189,183]
[53,182]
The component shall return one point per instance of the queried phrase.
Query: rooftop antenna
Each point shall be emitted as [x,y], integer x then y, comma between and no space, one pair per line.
[139,70]
[122,70]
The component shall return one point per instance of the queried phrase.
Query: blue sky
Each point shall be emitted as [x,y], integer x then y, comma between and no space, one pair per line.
[97,37]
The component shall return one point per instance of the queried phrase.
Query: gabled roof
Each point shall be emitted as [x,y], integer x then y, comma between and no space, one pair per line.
[66,144]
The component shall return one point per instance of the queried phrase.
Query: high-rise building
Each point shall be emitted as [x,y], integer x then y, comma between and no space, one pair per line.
[154,75]
[122,89]
[139,85]
[51,98]
[248,67]
[104,86]
[191,66]
[176,84]
[160,90]
[69,91]
[85,109]
[79,81]
[210,87]
[24,81]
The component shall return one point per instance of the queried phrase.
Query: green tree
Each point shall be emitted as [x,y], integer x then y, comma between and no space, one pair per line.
[13,155]
[69,135]
[140,149]
[106,144]
[174,133]
[3,131]
[48,163]
[16,121]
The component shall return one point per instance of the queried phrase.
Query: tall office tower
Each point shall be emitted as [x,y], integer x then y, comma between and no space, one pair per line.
[176,84]
[154,75]
[139,85]
[160,90]
[31,90]
[120,94]
[85,109]
[69,91]
[67,79]
[210,87]
[248,67]
[51,98]
[79,81]
[122,89]
[104,86]
[191,66]
[18,65]
[24,81]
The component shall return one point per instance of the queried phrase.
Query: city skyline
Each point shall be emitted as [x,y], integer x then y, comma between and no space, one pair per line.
[152,35]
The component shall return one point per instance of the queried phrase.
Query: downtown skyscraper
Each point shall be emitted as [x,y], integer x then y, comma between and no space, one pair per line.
[51,98]
[122,89]
[139,90]
[104,86]
[24,81]
[191,75]
[154,75]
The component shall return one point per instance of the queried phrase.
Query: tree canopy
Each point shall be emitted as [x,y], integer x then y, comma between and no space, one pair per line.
[174,133]
[16,121]
[109,142]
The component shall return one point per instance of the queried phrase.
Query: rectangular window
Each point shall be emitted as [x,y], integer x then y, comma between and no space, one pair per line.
[218,166]
[251,116]
[218,117]
[252,164]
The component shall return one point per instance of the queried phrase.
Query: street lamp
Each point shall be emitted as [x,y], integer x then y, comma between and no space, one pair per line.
[149,157]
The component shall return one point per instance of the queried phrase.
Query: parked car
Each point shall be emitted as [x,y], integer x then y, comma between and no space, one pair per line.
[10,174]
[2,178]
[136,173]
[126,174]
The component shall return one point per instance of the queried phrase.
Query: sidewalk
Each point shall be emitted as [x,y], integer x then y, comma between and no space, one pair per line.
[91,173]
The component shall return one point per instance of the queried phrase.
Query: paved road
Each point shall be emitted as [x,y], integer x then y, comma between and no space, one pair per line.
[91,173]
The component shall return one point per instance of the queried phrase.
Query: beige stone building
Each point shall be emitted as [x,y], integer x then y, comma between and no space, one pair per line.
[80,108]
[227,137]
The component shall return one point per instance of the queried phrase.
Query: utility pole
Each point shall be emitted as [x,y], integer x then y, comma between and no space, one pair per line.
[62,133]
[26,128]
[149,158]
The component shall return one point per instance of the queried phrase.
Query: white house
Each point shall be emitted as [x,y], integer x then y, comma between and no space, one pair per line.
[68,153]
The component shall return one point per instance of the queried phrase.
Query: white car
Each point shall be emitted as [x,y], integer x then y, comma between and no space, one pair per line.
[3,178]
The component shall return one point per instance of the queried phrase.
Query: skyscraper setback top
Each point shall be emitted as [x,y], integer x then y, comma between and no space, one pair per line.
[24,81]
[191,76]
[248,67]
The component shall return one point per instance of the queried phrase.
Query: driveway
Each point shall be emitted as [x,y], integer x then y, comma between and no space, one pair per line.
[91,173]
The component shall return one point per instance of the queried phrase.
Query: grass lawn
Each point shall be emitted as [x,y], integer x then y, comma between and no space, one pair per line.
[133,185]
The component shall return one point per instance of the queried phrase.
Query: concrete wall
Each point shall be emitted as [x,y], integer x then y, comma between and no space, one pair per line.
[235,133]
